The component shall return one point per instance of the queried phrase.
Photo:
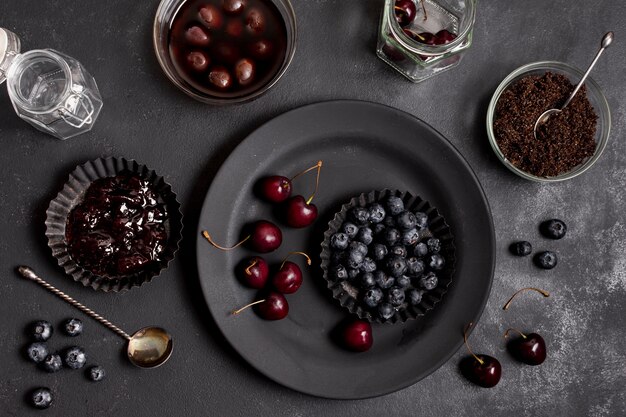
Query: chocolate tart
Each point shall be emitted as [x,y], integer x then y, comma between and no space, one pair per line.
[73,194]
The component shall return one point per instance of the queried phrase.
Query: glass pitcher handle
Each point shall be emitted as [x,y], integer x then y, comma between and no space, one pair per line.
[72,119]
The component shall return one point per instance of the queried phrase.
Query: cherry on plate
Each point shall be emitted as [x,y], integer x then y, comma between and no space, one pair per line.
[197,61]
[263,237]
[196,36]
[254,272]
[211,17]
[288,278]
[274,188]
[244,71]
[357,335]
[300,213]
[272,306]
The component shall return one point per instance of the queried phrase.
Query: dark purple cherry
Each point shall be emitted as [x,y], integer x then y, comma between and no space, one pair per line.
[264,237]
[483,370]
[275,188]
[211,17]
[393,53]
[288,278]
[300,213]
[254,272]
[244,71]
[220,77]
[255,21]
[233,7]
[405,12]
[528,348]
[197,61]
[261,49]
[234,28]
[444,36]
[273,306]
[357,336]
[196,36]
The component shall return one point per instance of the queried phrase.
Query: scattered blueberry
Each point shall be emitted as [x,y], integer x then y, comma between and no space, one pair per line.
[421,220]
[372,297]
[41,398]
[37,351]
[410,237]
[353,273]
[522,248]
[365,235]
[359,215]
[415,297]
[545,260]
[368,265]
[434,245]
[376,213]
[73,327]
[350,229]
[383,280]
[74,357]
[378,251]
[395,296]
[421,250]
[399,250]
[406,220]
[391,236]
[395,205]
[553,229]
[367,280]
[396,266]
[429,281]
[386,311]
[41,330]
[415,267]
[339,272]
[339,241]
[52,363]
[359,246]
[96,373]
[436,262]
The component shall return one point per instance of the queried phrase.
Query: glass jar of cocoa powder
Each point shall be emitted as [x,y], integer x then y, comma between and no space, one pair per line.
[422,38]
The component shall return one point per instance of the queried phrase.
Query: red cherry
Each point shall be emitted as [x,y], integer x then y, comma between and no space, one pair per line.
[233,7]
[275,188]
[357,336]
[273,306]
[220,77]
[254,272]
[255,21]
[444,36]
[261,49]
[393,53]
[244,71]
[197,61]
[264,237]
[288,278]
[300,213]
[234,28]
[196,36]
[405,12]
[528,348]
[211,17]
[483,370]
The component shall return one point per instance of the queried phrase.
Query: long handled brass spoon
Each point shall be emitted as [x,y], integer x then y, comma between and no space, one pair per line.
[148,347]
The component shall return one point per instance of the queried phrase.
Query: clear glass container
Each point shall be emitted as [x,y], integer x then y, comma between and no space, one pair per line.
[416,49]
[48,89]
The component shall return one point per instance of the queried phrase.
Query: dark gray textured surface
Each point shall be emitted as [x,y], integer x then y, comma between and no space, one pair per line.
[146,118]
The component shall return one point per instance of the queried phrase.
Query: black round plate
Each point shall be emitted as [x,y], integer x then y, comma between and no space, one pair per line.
[364,146]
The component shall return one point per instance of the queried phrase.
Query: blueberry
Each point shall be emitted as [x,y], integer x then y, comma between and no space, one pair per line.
[359,246]
[96,373]
[52,363]
[365,235]
[37,351]
[339,272]
[398,250]
[410,237]
[378,251]
[434,245]
[421,220]
[378,228]
[415,297]
[353,273]
[41,330]
[545,260]
[553,229]
[368,265]
[406,220]
[386,311]
[376,213]
[415,267]
[403,281]
[350,229]
[396,266]
[383,280]
[73,327]
[389,222]
[41,398]
[74,357]
[522,248]
[339,241]
[395,205]
[421,250]
[436,262]
[429,281]
[367,280]
[359,215]
[355,259]
[372,297]
[395,296]
[391,236]
[337,257]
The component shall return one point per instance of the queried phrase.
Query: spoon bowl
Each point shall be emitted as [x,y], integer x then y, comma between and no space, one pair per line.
[149,347]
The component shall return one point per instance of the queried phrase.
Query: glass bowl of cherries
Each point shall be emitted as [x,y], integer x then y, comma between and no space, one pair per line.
[224,51]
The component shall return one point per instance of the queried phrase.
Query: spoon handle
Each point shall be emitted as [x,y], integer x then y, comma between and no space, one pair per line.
[28,273]
[606,41]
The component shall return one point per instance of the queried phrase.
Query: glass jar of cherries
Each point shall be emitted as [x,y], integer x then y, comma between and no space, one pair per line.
[421,38]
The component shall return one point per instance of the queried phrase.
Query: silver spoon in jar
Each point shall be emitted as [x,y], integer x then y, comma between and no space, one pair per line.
[148,347]
[606,41]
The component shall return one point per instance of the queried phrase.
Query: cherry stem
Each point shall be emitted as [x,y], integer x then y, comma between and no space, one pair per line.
[424,9]
[469,325]
[254,262]
[506,334]
[208,237]
[317,182]
[417,35]
[542,292]
[308,260]
[319,164]
[239,310]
